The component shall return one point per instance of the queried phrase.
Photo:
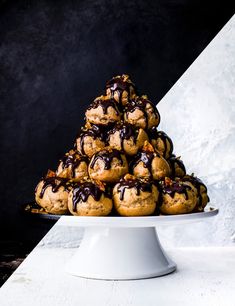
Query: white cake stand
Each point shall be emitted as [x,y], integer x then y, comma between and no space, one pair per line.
[124,248]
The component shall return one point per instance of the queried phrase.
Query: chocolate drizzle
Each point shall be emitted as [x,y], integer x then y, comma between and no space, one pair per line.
[96,131]
[119,85]
[146,158]
[83,190]
[73,160]
[197,183]
[133,183]
[126,131]
[174,187]
[107,157]
[55,183]
[173,161]
[141,104]
[105,104]
[155,134]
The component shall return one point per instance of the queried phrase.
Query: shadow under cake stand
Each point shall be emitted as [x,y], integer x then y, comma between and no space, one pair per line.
[124,248]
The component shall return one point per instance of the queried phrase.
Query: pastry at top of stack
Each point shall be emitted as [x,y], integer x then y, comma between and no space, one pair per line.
[121,163]
[121,89]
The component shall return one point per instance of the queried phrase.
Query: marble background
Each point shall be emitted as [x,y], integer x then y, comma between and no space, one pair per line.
[198,113]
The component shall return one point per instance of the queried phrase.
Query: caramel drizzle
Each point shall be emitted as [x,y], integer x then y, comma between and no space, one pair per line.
[107,157]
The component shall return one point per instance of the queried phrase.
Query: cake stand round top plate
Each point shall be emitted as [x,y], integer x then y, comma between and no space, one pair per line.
[145,221]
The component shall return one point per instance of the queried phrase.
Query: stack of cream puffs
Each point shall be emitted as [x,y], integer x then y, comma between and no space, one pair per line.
[121,164]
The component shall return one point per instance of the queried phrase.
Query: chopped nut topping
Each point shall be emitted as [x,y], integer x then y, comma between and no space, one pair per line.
[168,181]
[128,177]
[147,147]
[100,184]
[50,173]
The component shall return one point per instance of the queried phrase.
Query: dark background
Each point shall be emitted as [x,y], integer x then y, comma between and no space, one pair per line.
[55,58]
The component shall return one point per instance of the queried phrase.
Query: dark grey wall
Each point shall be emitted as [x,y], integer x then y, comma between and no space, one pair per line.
[55,58]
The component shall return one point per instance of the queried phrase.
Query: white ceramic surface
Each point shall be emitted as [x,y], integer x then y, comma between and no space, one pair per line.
[147,221]
[123,248]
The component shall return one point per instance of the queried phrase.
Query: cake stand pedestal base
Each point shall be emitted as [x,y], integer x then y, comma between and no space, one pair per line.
[119,253]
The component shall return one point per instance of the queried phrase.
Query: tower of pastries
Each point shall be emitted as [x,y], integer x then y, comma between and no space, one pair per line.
[121,164]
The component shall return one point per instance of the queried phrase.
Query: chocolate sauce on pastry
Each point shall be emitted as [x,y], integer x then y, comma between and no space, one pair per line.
[95,132]
[126,131]
[107,157]
[120,84]
[172,160]
[174,187]
[155,134]
[73,159]
[55,183]
[141,104]
[83,190]
[133,183]
[197,183]
[105,104]
[146,158]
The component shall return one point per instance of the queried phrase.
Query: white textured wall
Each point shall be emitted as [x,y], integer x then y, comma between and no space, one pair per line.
[198,113]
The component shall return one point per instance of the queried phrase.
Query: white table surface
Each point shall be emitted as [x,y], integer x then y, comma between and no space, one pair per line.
[205,276]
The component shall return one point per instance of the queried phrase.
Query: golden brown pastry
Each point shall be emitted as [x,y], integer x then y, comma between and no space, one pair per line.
[161,142]
[140,112]
[90,140]
[89,199]
[108,165]
[133,197]
[103,111]
[127,138]
[121,89]
[73,166]
[177,166]
[176,197]
[52,194]
[149,164]
[202,196]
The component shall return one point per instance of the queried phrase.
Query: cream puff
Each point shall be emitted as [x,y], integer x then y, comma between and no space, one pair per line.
[134,197]
[103,111]
[161,142]
[176,197]
[202,196]
[108,165]
[73,166]
[121,89]
[90,140]
[89,199]
[127,138]
[149,164]
[177,166]
[52,193]
[141,113]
